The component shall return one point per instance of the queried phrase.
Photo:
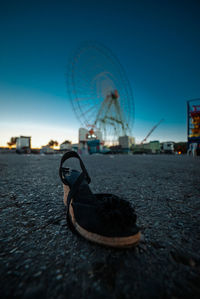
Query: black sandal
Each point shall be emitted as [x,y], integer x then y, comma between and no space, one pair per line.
[102,218]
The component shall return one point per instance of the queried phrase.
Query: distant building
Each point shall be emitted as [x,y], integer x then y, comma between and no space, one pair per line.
[167,147]
[90,141]
[23,144]
[75,147]
[66,145]
[86,135]
[98,135]
[82,135]
[93,146]
[7,150]
[152,147]
[46,149]
[126,142]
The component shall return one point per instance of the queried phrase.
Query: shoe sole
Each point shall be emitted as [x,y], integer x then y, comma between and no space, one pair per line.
[117,242]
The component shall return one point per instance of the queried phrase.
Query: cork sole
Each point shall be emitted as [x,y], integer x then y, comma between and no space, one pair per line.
[117,242]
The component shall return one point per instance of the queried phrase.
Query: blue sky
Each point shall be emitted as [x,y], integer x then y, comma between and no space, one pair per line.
[157,42]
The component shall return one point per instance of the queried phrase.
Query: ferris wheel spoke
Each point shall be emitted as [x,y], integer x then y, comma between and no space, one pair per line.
[84,106]
[84,113]
[84,99]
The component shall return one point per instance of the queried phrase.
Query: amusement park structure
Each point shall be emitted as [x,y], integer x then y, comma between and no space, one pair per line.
[151,131]
[100,92]
[193,124]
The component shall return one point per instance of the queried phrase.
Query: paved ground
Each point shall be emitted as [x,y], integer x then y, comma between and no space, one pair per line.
[41,258]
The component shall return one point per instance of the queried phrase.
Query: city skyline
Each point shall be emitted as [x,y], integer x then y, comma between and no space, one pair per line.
[158,44]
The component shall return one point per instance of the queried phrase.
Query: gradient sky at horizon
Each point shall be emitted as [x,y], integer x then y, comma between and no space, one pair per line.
[157,43]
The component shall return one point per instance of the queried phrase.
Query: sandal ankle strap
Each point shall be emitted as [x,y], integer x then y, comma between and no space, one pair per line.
[73,154]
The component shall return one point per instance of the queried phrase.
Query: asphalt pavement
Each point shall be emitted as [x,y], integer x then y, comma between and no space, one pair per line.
[41,258]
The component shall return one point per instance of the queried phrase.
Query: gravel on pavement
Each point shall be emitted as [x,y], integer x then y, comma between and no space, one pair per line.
[41,258]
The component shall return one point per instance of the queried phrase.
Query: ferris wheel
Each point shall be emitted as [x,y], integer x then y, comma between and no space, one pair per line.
[100,92]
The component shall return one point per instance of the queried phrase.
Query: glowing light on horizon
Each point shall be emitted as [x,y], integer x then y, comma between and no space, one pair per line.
[40,134]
